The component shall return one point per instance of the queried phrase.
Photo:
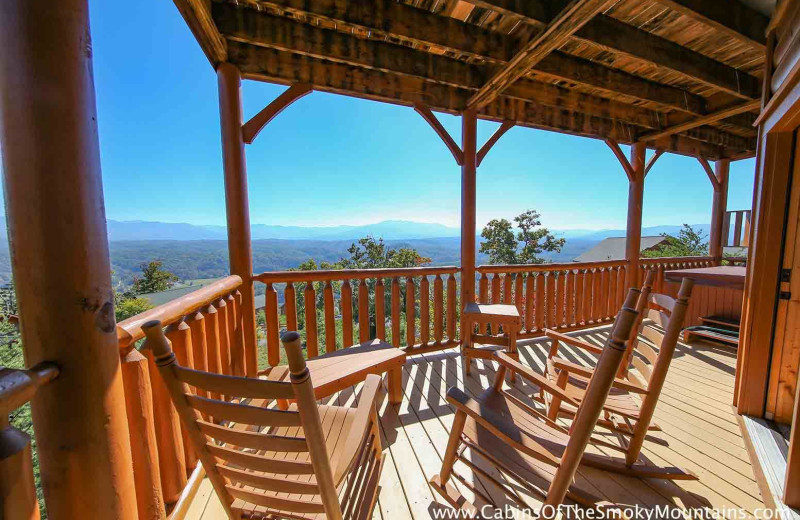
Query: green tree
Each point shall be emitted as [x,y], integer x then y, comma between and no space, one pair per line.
[689,242]
[128,307]
[154,278]
[505,247]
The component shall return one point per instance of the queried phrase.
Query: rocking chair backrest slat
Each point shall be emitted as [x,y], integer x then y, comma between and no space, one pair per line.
[592,404]
[633,340]
[242,462]
[666,342]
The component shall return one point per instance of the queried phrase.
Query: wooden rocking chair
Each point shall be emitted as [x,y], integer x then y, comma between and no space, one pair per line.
[520,441]
[308,462]
[632,401]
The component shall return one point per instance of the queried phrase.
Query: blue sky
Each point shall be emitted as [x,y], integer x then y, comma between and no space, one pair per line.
[331,160]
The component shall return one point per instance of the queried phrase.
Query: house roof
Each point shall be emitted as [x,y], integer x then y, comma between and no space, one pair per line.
[613,248]
[681,75]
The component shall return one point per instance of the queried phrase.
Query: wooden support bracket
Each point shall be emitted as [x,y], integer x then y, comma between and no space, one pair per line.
[428,116]
[251,128]
[653,160]
[505,127]
[626,165]
[717,185]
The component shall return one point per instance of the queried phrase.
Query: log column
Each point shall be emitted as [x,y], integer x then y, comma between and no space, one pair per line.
[229,82]
[633,235]
[469,130]
[719,206]
[59,256]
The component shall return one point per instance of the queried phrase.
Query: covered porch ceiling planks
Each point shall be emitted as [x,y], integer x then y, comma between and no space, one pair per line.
[663,67]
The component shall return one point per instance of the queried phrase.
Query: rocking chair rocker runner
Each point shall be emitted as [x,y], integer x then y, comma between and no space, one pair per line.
[632,402]
[523,442]
[308,462]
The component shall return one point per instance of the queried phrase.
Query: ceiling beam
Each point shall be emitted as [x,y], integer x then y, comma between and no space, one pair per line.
[266,64]
[388,17]
[620,37]
[574,16]
[700,121]
[197,16]
[731,17]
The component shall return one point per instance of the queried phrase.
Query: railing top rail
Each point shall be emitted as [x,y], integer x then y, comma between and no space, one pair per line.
[541,268]
[17,387]
[675,260]
[130,330]
[350,274]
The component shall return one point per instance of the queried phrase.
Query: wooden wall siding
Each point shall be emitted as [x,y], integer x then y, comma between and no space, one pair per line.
[637,68]
[412,308]
[205,328]
[555,296]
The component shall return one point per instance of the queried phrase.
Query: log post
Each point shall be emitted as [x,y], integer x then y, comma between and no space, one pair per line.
[59,256]
[633,235]
[236,202]
[716,239]
[469,130]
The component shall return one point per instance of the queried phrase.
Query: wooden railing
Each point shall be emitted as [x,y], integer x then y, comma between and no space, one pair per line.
[364,304]
[205,328]
[556,296]
[736,228]
[17,489]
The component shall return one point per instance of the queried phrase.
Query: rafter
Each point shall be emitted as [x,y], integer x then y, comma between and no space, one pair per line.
[266,64]
[700,121]
[640,44]
[256,123]
[440,130]
[733,18]
[504,127]
[574,16]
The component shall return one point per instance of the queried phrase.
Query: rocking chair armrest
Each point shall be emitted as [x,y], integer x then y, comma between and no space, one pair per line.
[357,433]
[573,368]
[539,380]
[571,341]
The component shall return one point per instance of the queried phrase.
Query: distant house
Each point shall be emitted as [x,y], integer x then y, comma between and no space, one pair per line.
[613,248]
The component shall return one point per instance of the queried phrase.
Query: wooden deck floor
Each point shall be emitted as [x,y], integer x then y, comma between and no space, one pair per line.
[700,432]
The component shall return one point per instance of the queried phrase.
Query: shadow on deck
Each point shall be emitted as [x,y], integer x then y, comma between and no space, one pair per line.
[699,432]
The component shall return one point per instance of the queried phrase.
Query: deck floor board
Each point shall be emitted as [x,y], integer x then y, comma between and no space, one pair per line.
[700,432]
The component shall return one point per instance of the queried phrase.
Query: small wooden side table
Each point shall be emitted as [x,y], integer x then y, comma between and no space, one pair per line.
[495,315]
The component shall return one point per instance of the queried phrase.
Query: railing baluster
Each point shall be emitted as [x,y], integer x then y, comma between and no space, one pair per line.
[212,342]
[560,304]
[380,310]
[272,320]
[570,297]
[330,317]
[603,294]
[424,311]
[395,302]
[483,286]
[410,318]
[347,314]
[588,285]
[550,300]
[141,424]
[197,327]
[621,287]
[579,297]
[312,345]
[290,302]
[182,347]
[451,308]
[224,338]
[507,281]
[172,462]
[496,289]
[530,299]
[597,295]
[540,305]
[438,308]
[237,334]
[363,311]
[611,306]
[519,299]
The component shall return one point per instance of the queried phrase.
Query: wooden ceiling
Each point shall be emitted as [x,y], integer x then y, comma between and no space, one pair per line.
[682,75]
